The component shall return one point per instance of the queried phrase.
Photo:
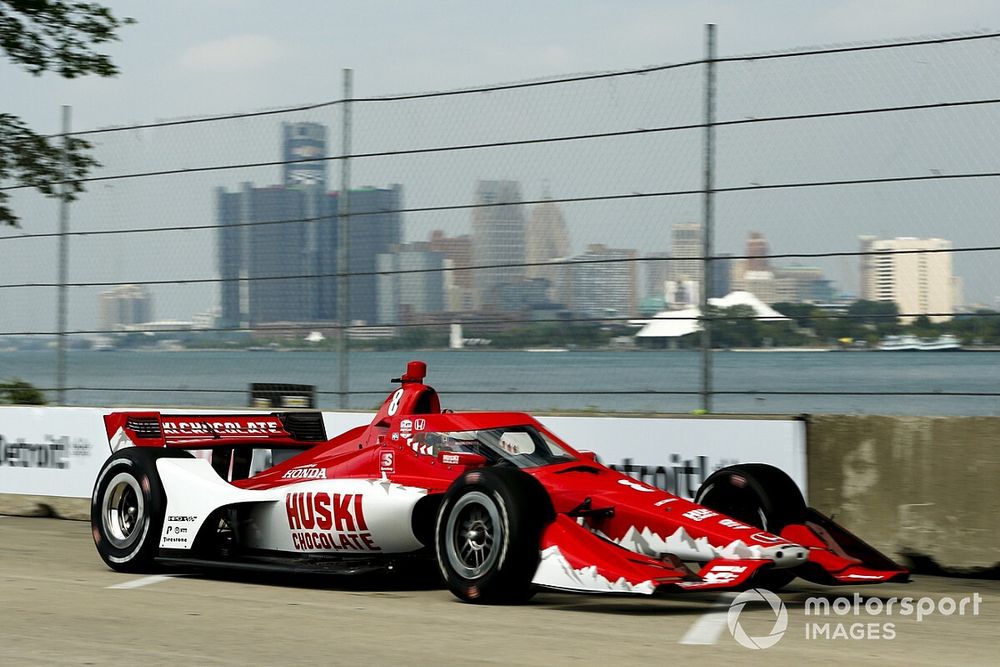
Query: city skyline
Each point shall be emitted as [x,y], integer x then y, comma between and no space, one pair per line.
[618,191]
[532,243]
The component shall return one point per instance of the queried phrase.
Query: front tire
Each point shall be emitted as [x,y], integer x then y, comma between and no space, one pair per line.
[127,508]
[488,535]
[760,495]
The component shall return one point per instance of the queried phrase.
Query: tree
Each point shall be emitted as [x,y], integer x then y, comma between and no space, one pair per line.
[20,392]
[50,36]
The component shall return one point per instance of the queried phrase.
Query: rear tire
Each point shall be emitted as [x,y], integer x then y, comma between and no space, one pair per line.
[488,535]
[760,495]
[127,508]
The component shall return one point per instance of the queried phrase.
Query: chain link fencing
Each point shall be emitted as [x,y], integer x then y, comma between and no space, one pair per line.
[540,226]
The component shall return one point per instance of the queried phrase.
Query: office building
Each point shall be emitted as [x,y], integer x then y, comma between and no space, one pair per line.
[458,284]
[277,246]
[497,240]
[546,240]
[685,251]
[124,306]
[405,297]
[919,283]
[604,288]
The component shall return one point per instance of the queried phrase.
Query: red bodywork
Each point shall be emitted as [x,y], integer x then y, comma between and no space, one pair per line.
[609,528]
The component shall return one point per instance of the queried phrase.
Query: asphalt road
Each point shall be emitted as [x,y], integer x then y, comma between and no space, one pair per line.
[59,606]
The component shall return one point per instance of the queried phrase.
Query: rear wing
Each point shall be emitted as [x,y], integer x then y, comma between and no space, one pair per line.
[153,429]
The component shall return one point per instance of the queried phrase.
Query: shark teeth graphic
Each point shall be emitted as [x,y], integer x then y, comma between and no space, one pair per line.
[556,572]
[688,548]
[120,440]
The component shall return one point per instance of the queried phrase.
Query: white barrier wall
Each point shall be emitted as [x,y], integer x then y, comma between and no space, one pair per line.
[59,451]
[677,454]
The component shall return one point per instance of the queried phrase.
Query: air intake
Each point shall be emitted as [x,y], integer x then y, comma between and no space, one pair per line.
[144,427]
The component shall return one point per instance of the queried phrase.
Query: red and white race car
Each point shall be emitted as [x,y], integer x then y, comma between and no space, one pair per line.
[501,504]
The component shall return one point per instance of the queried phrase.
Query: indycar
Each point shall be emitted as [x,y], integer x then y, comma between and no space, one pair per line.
[498,504]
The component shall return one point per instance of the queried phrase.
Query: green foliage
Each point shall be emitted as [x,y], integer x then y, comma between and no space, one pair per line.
[802,313]
[57,36]
[738,326]
[19,392]
[548,334]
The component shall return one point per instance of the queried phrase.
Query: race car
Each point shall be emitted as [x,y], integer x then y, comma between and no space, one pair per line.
[497,501]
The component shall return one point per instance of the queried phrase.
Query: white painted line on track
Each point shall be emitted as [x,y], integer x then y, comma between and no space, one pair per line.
[708,627]
[145,581]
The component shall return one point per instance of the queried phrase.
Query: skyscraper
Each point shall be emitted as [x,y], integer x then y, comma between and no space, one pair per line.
[277,246]
[458,284]
[656,268]
[604,288]
[404,297]
[546,239]
[757,253]
[300,143]
[685,249]
[254,255]
[497,239]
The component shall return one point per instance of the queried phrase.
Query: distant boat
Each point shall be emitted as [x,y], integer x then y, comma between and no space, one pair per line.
[945,343]
[546,349]
[911,343]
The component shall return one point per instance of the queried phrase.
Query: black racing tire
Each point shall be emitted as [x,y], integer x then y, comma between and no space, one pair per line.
[760,495]
[488,535]
[127,508]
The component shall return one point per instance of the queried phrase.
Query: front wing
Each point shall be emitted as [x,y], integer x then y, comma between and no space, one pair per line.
[573,558]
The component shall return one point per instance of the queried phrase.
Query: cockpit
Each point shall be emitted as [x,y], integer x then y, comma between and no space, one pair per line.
[523,446]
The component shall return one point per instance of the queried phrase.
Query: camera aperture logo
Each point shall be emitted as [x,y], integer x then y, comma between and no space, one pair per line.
[873,617]
[757,595]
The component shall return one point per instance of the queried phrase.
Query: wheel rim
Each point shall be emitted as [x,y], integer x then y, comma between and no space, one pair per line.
[475,534]
[122,510]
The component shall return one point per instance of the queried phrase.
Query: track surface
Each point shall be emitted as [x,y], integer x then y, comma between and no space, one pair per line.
[56,608]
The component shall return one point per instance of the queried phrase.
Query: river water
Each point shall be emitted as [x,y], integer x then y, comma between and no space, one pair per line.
[599,381]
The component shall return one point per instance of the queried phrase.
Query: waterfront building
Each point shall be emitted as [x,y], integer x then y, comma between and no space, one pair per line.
[458,284]
[915,274]
[685,251]
[546,239]
[497,240]
[277,246]
[124,306]
[404,297]
[603,288]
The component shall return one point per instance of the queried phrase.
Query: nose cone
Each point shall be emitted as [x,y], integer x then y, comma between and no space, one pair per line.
[787,555]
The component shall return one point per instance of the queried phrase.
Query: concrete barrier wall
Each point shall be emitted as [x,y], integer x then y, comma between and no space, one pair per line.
[914,487]
[919,487]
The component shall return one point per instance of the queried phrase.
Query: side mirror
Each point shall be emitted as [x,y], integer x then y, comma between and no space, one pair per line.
[589,456]
[467,459]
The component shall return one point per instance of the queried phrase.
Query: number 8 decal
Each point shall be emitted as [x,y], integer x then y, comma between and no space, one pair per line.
[394,404]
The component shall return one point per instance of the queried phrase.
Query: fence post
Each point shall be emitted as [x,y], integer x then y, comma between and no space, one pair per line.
[706,231]
[63,263]
[343,218]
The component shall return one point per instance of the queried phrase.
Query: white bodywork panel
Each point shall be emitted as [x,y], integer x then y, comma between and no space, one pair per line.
[336,516]
[194,490]
[554,571]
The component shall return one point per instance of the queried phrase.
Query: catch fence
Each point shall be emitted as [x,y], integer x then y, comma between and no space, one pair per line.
[542,226]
